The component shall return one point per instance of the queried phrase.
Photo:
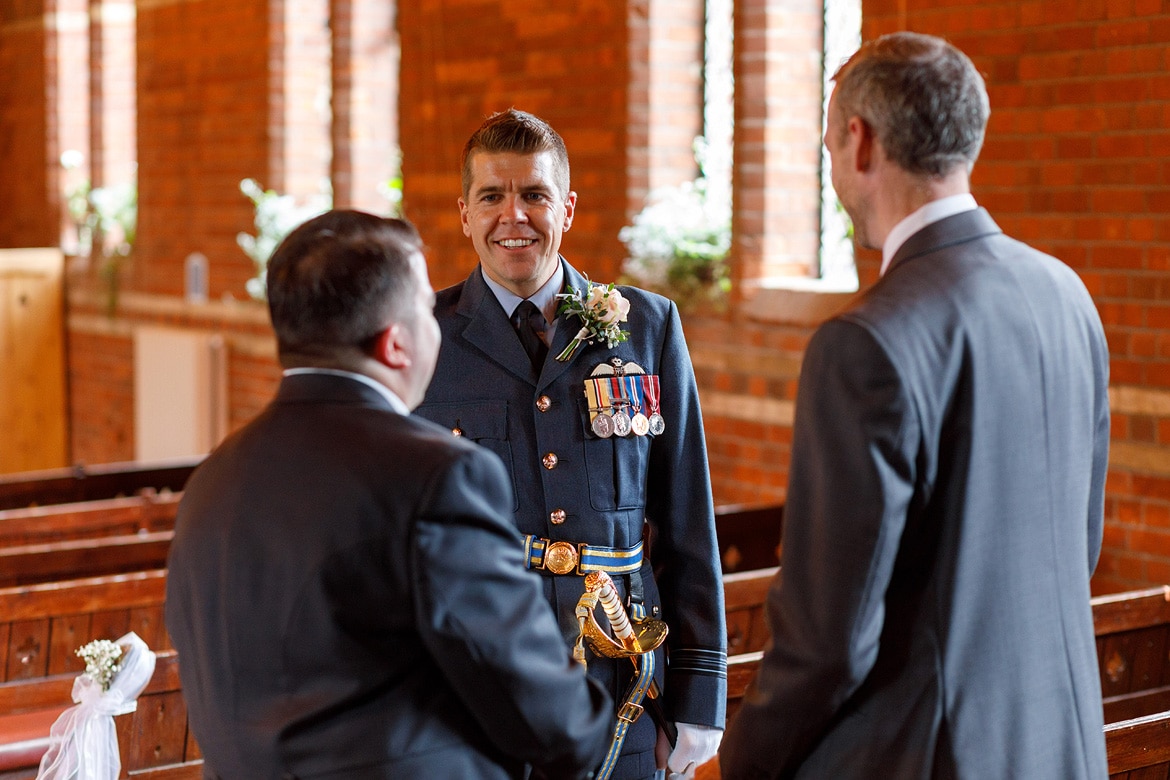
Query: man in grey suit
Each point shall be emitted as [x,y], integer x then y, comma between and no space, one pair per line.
[944,514]
[345,588]
[604,442]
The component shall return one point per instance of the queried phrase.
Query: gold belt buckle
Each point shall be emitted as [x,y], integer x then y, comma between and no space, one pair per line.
[561,557]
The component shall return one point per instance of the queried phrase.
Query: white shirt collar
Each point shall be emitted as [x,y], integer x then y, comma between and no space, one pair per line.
[928,214]
[545,298]
[391,397]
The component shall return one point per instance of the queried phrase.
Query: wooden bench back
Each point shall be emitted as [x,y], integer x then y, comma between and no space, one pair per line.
[41,626]
[145,512]
[73,559]
[744,594]
[749,537]
[90,483]
[1133,639]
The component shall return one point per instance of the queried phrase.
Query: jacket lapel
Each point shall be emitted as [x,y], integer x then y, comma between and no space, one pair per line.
[489,330]
[567,328]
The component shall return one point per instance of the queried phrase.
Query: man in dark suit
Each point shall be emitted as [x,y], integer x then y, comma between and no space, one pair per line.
[345,589]
[944,512]
[604,443]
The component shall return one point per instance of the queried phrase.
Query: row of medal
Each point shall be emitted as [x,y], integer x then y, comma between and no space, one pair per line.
[624,404]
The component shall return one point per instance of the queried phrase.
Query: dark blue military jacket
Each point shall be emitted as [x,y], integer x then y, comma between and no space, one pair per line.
[573,485]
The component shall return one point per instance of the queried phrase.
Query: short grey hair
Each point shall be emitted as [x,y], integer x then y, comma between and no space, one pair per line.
[924,100]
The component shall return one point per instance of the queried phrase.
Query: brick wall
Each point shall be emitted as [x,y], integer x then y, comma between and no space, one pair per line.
[567,64]
[1076,163]
[203,89]
[29,176]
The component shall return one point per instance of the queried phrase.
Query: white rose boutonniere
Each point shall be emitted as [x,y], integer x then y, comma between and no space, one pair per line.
[601,311]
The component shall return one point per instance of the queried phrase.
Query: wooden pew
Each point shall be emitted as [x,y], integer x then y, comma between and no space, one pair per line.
[749,536]
[42,625]
[154,741]
[72,559]
[89,483]
[1139,749]
[147,512]
[744,594]
[1133,640]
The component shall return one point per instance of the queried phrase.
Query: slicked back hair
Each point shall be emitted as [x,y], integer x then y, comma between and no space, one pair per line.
[922,97]
[517,132]
[340,279]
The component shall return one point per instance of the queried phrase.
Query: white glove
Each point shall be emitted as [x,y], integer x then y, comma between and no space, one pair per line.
[696,745]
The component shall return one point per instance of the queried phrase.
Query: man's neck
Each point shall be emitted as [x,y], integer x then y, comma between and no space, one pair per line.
[907,193]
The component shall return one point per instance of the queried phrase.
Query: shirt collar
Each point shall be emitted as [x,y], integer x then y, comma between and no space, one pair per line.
[928,214]
[396,403]
[545,298]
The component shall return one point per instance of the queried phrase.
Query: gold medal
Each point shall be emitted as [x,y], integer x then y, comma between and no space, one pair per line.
[639,424]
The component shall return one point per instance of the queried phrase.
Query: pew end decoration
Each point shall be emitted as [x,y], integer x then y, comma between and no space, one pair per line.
[83,744]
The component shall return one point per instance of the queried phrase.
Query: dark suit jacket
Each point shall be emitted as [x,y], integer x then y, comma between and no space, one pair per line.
[485,386]
[944,515]
[349,600]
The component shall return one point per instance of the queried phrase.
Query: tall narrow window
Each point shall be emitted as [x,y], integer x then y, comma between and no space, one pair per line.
[718,105]
[842,37]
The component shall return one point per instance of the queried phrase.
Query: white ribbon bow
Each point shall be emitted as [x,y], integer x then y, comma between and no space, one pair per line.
[83,744]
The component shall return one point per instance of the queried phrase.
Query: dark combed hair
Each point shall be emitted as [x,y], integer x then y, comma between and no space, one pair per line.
[517,132]
[340,279]
[923,98]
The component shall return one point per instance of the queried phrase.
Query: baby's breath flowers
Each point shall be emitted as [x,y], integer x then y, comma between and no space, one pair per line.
[101,661]
[601,312]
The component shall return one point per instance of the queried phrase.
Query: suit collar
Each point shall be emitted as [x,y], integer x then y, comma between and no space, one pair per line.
[947,232]
[489,330]
[329,388]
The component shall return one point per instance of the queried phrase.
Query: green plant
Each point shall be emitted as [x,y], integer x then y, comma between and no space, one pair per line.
[276,216]
[678,244]
[106,219]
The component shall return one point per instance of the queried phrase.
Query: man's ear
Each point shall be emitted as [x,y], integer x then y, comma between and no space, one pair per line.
[391,348]
[570,209]
[861,137]
[463,217]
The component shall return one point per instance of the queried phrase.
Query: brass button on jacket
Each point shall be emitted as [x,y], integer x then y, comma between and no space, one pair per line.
[550,461]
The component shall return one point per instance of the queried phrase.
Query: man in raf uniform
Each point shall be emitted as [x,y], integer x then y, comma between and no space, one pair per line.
[595,412]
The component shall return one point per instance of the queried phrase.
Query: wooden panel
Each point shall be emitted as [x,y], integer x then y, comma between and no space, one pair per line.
[32,351]
[1138,743]
[91,483]
[748,537]
[1137,704]
[192,770]
[66,635]
[66,597]
[1132,610]
[28,649]
[157,736]
[88,519]
[82,558]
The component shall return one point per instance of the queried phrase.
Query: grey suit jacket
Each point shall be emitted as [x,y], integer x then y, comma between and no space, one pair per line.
[605,489]
[348,600]
[944,515]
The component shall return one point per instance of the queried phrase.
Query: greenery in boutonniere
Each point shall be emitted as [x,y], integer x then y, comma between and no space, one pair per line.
[679,243]
[601,311]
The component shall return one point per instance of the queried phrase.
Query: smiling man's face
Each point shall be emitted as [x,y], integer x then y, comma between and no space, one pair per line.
[515,215]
